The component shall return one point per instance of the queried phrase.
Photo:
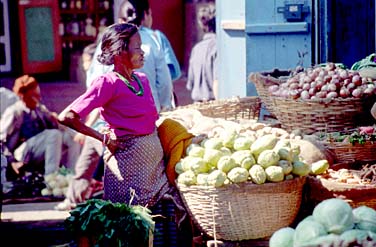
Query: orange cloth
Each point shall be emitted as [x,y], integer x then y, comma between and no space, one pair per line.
[174,139]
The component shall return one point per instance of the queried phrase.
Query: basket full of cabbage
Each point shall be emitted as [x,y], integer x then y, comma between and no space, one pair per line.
[333,222]
[239,186]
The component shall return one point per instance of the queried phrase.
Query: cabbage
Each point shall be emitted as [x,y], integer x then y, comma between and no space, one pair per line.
[295,148]
[179,168]
[228,138]
[300,168]
[186,163]
[238,175]
[319,167]
[325,240]
[282,143]
[244,158]
[274,174]
[365,218]
[187,178]
[289,177]
[202,179]
[285,153]
[190,146]
[196,151]
[211,156]
[308,230]
[257,174]
[352,235]
[226,163]
[335,214]
[268,158]
[214,143]
[242,143]
[225,151]
[283,237]
[263,143]
[286,166]
[216,178]
[198,165]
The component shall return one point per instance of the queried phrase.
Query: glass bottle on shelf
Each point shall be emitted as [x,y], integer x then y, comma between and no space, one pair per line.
[63,4]
[72,4]
[90,30]
[61,28]
[106,4]
[75,26]
[102,25]
[78,4]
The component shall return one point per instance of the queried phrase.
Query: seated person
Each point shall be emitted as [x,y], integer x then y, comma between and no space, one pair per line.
[31,138]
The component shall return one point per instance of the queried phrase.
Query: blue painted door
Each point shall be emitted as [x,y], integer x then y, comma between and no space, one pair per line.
[278,35]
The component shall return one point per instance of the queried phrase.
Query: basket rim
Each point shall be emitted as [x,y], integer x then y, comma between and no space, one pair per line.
[265,187]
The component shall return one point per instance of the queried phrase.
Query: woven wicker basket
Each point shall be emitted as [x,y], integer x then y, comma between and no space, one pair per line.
[347,152]
[356,195]
[229,109]
[263,81]
[243,211]
[322,115]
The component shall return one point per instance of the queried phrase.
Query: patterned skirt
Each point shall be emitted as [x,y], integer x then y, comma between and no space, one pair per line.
[135,174]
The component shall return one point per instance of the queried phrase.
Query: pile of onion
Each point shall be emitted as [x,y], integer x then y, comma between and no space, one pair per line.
[325,82]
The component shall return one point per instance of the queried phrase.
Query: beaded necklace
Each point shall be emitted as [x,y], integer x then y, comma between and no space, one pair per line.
[134,77]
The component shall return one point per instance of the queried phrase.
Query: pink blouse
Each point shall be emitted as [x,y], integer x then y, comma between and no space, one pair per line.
[124,111]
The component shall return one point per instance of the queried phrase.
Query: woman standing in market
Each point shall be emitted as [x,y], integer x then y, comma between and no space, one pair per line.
[134,166]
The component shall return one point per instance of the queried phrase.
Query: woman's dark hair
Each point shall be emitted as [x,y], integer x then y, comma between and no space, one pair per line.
[115,39]
[133,11]
[206,17]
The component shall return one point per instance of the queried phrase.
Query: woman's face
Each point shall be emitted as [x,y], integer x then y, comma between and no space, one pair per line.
[32,97]
[133,57]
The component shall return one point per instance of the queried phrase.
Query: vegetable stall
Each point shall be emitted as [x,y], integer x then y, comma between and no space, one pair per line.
[250,178]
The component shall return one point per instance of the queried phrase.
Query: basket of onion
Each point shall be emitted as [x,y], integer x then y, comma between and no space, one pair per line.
[324,98]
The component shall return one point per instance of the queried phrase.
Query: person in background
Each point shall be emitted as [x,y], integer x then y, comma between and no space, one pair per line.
[89,168]
[134,166]
[170,57]
[7,98]
[31,138]
[202,70]
[155,66]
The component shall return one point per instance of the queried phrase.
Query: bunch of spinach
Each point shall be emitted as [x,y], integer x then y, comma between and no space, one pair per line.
[111,224]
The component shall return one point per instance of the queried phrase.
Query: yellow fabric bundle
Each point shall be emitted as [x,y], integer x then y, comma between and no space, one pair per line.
[174,139]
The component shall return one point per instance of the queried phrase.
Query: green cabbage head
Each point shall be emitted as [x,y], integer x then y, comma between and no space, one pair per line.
[216,178]
[335,214]
[308,230]
[274,174]
[238,175]
[244,158]
[283,237]
[226,163]
[243,143]
[365,218]
[257,174]
[188,178]
[268,158]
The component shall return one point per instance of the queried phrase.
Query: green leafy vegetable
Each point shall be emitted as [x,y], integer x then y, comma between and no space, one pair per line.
[111,224]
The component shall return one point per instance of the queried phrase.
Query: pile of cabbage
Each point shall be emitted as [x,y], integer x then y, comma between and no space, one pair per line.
[57,182]
[233,157]
[333,223]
